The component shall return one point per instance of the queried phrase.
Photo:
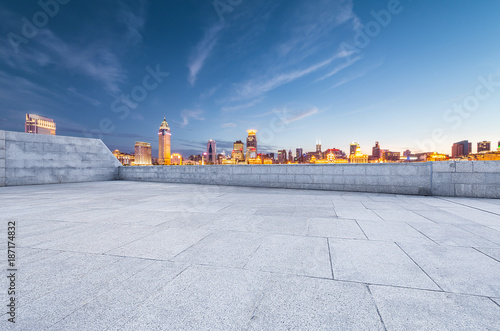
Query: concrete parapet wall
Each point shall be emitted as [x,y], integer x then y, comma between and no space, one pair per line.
[27,159]
[462,179]
[379,178]
[478,179]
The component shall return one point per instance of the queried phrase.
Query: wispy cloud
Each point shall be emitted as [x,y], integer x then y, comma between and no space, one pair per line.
[255,88]
[202,52]
[242,106]
[208,93]
[188,114]
[228,125]
[92,101]
[339,68]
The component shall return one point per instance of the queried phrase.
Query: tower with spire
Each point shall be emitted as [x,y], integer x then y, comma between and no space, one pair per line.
[164,143]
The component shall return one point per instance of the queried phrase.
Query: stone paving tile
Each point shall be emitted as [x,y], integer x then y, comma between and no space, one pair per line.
[78,292]
[449,234]
[91,239]
[118,303]
[401,216]
[162,245]
[494,253]
[295,255]
[228,249]
[376,263]
[409,309]
[457,269]
[392,231]
[441,216]
[201,298]
[478,216]
[281,225]
[355,213]
[335,228]
[482,231]
[300,303]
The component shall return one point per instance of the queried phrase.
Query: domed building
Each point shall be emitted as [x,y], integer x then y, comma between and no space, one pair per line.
[164,134]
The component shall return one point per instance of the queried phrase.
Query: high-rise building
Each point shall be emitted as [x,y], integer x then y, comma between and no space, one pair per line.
[237,153]
[39,125]
[211,152]
[298,152]
[282,156]
[318,146]
[376,153]
[290,156]
[251,152]
[484,146]
[143,153]
[462,148]
[164,143]
[353,147]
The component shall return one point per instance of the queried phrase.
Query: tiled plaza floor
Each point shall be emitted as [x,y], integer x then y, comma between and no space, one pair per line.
[153,256]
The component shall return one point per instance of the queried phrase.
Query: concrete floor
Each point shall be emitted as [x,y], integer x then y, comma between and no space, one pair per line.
[150,256]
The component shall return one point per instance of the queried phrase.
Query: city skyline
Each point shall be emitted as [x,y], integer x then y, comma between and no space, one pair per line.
[294,71]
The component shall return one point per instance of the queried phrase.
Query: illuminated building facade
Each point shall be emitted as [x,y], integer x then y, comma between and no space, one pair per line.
[124,158]
[488,156]
[176,159]
[460,149]
[251,152]
[434,157]
[389,156]
[376,152]
[237,153]
[352,148]
[143,153]
[211,152]
[39,125]
[484,146]
[318,146]
[358,156]
[164,135]
[290,157]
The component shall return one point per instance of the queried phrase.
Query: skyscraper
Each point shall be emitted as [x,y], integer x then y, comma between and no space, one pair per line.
[298,152]
[376,152]
[484,146]
[318,146]
[251,152]
[164,143]
[142,153]
[462,148]
[290,156]
[237,153]
[39,125]
[353,148]
[211,152]
[282,156]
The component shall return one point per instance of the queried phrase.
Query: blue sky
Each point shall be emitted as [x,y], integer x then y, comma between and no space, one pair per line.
[296,71]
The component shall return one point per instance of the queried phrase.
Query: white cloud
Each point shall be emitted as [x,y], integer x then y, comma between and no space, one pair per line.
[202,52]
[187,114]
[228,125]
[340,68]
[242,106]
[255,88]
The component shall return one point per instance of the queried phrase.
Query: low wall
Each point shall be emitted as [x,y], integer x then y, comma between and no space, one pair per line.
[27,159]
[467,179]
